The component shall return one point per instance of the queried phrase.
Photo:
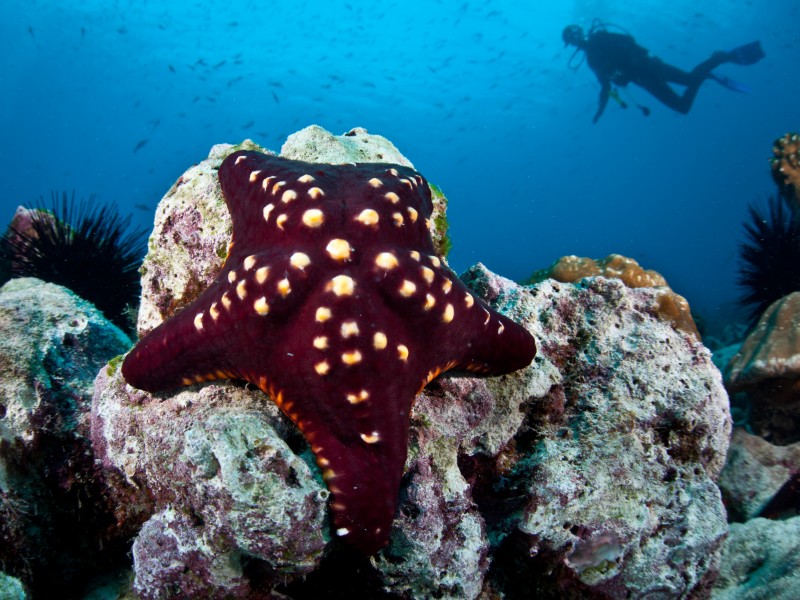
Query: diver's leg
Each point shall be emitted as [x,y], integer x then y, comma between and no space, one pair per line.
[698,75]
[667,96]
[672,74]
[661,73]
[704,68]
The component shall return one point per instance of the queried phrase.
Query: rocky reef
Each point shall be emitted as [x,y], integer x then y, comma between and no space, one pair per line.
[589,474]
[55,516]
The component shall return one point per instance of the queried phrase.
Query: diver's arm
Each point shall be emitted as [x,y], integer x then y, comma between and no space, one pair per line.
[605,92]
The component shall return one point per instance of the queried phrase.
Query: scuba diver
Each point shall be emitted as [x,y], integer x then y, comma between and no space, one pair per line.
[618,60]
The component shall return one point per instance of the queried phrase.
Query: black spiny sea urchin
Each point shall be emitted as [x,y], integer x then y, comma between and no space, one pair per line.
[83,246]
[770,255]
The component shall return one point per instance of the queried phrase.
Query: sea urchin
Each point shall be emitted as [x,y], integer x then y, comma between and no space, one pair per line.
[83,246]
[770,255]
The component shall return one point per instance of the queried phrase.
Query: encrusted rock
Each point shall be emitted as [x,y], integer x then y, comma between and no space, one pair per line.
[754,472]
[53,513]
[767,370]
[189,242]
[11,588]
[760,559]
[617,462]
[223,485]
[315,144]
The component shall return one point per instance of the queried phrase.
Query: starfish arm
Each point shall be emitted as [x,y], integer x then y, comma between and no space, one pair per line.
[346,374]
[248,301]
[486,342]
[469,335]
[177,353]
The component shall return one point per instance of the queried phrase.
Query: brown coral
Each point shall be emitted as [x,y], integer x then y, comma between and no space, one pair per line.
[786,163]
[672,307]
[767,367]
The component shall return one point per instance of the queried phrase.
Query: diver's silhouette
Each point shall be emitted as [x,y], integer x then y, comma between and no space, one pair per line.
[618,60]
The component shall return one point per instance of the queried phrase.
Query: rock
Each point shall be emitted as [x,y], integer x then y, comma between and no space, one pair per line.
[767,370]
[225,492]
[754,472]
[189,242]
[315,144]
[11,588]
[610,487]
[53,512]
[760,559]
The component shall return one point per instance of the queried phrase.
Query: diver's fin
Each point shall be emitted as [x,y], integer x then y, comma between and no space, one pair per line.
[731,84]
[749,54]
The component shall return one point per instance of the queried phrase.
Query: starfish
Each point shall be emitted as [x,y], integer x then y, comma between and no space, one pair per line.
[333,302]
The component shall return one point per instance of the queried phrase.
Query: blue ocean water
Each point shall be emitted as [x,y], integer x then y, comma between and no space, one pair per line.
[119,98]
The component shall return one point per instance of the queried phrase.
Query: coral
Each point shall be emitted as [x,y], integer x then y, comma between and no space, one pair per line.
[786,164]
[769,255]
[80,245]
[671,307]
[767,369]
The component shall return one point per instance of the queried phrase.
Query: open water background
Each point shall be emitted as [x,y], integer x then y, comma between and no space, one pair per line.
[119,98]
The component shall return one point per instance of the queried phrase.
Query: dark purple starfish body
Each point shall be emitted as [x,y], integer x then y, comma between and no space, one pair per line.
[333,302]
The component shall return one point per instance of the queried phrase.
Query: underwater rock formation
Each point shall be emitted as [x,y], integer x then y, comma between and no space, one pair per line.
[767,468]
[54,516]
[618,433]
[589,474]
[672,307]
[767,369]
[225,492]
[616,463]
[760,559]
